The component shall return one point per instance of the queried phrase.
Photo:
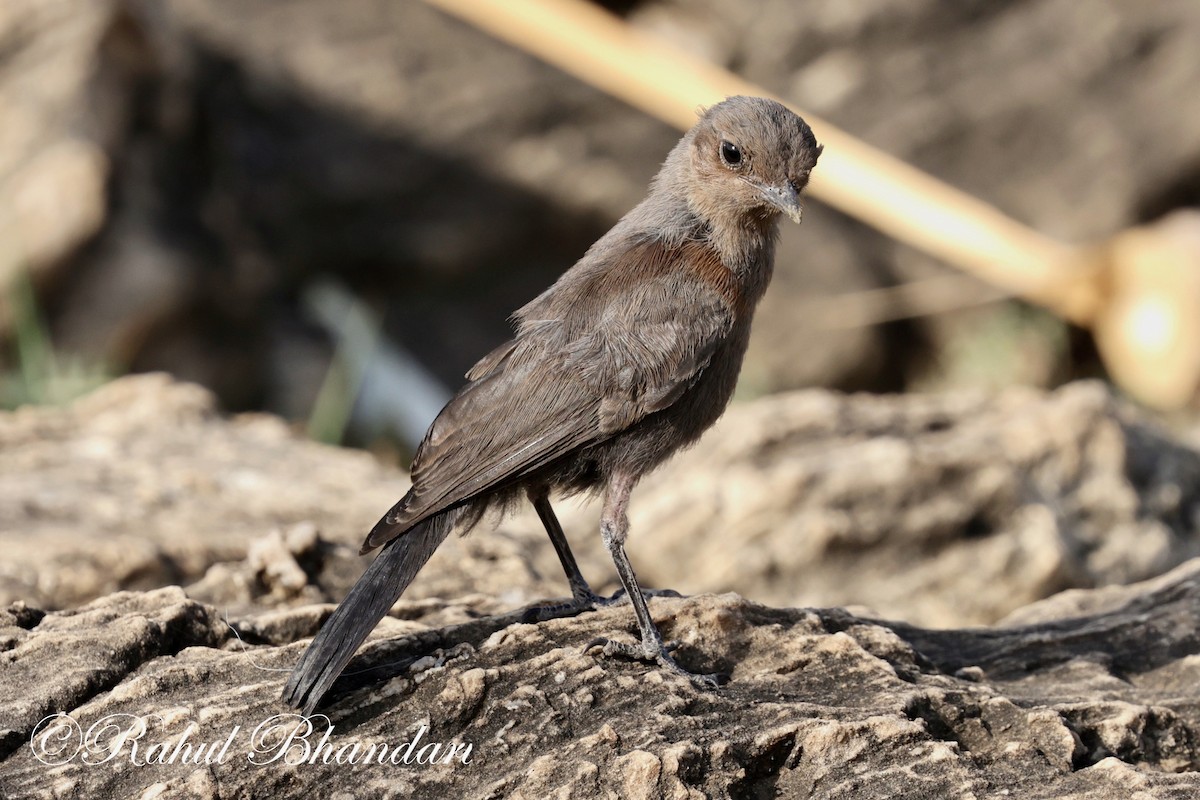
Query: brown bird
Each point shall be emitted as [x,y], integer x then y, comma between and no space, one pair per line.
[629,356]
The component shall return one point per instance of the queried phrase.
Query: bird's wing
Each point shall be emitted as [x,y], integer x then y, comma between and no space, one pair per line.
[622,343]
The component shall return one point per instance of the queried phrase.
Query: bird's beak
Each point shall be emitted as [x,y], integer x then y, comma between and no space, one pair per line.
[785,198]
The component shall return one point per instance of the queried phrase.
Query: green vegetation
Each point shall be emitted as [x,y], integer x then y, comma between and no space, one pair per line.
[41,375]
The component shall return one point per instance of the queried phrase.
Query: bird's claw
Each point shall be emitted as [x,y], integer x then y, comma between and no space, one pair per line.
[619,596]
[648,593]
[657,652]
[584,599]
[551,611]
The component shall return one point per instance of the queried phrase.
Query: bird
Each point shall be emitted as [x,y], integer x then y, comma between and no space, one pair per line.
[628,357]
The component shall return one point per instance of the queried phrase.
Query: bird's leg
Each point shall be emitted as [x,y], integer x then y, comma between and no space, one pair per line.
[614,527]
[581,594]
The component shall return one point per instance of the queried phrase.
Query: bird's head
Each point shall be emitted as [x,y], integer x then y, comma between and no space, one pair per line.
[751,156]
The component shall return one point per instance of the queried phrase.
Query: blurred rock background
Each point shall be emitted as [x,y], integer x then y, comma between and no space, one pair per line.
[178,176]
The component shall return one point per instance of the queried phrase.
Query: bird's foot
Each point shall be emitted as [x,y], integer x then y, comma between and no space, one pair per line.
[584,599]
[658,651]
[619,596]
[569,608]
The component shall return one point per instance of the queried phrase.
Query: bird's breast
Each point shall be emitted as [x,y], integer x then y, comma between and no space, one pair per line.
[655,438]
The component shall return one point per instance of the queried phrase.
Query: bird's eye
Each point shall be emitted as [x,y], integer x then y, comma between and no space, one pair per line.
[731,154]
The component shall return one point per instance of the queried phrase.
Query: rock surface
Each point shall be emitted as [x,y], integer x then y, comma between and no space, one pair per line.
[142,484]
[942,510]
[821,704]
[1090,693]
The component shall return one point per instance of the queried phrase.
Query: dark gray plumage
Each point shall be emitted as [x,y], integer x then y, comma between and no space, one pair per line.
[628,357]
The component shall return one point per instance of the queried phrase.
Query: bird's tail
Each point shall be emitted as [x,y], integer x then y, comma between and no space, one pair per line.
[379,587]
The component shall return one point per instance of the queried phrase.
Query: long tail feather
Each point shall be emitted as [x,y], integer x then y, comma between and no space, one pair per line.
[369,600]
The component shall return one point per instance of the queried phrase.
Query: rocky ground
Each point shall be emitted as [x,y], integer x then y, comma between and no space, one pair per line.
[957,509]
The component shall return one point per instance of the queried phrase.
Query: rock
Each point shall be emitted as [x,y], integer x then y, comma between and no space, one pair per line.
[822,704]
[1089,693]
[142,484]
[943,510]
